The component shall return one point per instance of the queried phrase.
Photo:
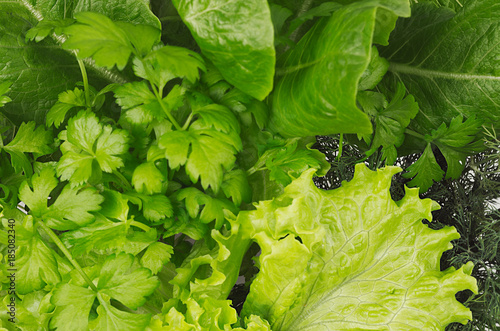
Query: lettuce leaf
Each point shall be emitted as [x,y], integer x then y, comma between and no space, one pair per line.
[352,259]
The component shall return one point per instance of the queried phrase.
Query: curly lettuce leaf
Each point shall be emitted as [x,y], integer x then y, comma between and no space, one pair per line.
[352,259]
[205,315]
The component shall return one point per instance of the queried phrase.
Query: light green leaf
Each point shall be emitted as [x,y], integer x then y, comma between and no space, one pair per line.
[156,256]
[167,63]
[206,154]
[73,307]
[34,311]
[235,186]
[123,279]
[154,207]
[120,278]
[71,209]
[36,264]
[28,140]
[113,319]
[208,314]
[213,208]
[107,42]
[66,101]
[139,102]
[147,178]
[31,140]
[447,83]
[237,36]
[354,259]
[89,143]
[106,237]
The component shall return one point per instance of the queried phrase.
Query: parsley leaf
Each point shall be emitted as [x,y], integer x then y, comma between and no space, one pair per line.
[147,178]
[142,106]
[167,63]
[67,100]
[424,171]
[109,43]
[71,209]
[235,185]
[154,208]
[90,148]
[207,148]
[28,140]
[457,141]
[124,280]
[156,256]
[213,208]
[113,319]
[73,304]
[390,119]
[105,236]
[120,278]
[36,263]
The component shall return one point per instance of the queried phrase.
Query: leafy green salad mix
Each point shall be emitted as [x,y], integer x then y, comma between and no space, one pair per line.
[158,161]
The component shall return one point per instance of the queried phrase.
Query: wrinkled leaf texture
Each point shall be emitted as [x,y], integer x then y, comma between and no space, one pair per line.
[40,71]
[238,37]
[363,261]
[317,93]
[449,62]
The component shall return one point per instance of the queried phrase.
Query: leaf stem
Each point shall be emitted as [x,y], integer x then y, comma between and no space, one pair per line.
[341,143]
[415,134]
[85,83]
[140,225]
[188,121]
[66,253]
[165,110]
[123,180]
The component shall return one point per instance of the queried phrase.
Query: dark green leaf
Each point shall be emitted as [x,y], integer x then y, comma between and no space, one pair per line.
[448,62]
[424,171]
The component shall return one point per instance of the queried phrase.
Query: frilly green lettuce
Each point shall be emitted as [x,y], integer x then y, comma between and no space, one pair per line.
[352,259]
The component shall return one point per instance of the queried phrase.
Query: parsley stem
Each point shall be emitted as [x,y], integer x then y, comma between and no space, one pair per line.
[415,134]
[188,121]
[66,253]
[165,110]
[123,180]
[85,83]
[140,225]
